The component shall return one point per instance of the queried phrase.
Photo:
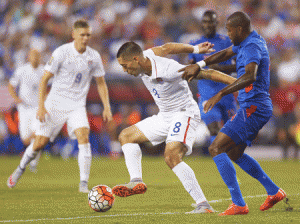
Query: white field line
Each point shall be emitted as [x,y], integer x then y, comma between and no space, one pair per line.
[124,215]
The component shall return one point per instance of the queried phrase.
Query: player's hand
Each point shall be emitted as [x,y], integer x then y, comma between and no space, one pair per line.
[212,102]
[107,115]
[18,101]
[190,72]
[206,48]
[41,114]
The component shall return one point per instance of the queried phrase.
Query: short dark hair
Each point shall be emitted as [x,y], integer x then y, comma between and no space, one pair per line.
[128,49]
[240,19]
[81,23]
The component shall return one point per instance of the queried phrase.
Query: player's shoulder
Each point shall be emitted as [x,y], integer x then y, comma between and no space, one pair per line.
[148,53]
[62,50]
[93,53]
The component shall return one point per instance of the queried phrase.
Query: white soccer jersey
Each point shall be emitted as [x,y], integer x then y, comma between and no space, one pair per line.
[27,79]
[72,76]
[170,92]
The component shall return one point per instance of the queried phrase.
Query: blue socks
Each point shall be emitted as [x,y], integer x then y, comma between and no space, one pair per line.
[252,167]
[228,174]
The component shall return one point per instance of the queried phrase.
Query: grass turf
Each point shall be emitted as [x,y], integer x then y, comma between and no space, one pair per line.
[51,195]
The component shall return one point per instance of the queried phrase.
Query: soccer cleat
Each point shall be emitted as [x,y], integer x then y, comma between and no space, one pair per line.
[129,189]
[14,178]
[233,209]
[272,200]
[83,187]
[202,209]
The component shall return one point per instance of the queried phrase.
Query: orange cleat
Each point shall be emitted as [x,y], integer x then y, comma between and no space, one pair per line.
[129,189]
[272,200]
[233,209]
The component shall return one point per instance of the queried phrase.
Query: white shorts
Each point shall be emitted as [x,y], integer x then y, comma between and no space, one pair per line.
[57,118]
[170,127]
[27,122]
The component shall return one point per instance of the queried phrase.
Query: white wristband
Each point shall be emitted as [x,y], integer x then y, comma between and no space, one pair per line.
[196,50]
[201,64]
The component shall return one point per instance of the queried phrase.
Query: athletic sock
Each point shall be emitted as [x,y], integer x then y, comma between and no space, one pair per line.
[187,177]
[84,161]
[133,159]
[252,167]
[29,155]
[35,161]
[228,174]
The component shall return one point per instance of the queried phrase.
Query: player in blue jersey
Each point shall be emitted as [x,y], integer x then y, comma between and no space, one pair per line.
[226,108]
[253,81]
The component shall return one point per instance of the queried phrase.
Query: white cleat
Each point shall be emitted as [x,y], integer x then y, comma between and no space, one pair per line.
[83,187]
[202,210]
[14,178]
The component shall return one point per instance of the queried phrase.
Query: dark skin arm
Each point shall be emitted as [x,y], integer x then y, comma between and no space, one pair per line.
[245,80]
[227,69]
[224,55]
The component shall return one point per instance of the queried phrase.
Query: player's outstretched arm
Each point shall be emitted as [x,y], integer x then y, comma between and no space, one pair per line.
[193,70]
[179,48]
[103,93]
[245,80]
[41,113]
[213,75]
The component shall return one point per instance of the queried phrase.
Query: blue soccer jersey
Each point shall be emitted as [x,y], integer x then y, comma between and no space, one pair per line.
[209,88]
[255,103]
[254,49]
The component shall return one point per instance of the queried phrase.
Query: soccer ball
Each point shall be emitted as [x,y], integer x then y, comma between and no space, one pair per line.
[101,198]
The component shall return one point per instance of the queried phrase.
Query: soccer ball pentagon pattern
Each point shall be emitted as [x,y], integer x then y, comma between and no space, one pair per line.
[101,198]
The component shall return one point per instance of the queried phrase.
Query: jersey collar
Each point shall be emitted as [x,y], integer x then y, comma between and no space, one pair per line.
[244,42]
[76,53]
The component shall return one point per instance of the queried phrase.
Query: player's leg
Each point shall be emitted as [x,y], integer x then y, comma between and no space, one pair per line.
[84,157]
[252,167]
[115,146]
[174,153]
[153,129]
[218,150]
[30,153]
[130,138]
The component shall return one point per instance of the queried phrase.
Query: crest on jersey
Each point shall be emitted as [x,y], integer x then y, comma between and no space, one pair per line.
[90,63]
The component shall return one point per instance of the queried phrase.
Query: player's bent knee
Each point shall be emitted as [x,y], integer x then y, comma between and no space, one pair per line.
[173,156]
[126,136]
[40,142]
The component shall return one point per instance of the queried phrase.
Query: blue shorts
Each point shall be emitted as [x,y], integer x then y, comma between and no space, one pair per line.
[245,125]
[222,111]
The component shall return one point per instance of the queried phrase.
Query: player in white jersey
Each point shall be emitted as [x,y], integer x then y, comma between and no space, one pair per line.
[73,66]
[175,124]
[27,78]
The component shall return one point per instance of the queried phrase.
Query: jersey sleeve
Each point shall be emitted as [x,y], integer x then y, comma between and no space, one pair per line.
[98,68]
[252,53]
[55,61]
[172,71]
[15,80]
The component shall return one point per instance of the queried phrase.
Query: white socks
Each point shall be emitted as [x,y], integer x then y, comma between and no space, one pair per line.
[29,155]
[84,161]
[133,159]
[187,177]
[35,161]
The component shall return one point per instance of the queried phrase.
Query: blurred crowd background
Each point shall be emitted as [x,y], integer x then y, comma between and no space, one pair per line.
[46,24]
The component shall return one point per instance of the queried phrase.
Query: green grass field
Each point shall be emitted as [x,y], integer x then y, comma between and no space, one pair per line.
[51,195]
